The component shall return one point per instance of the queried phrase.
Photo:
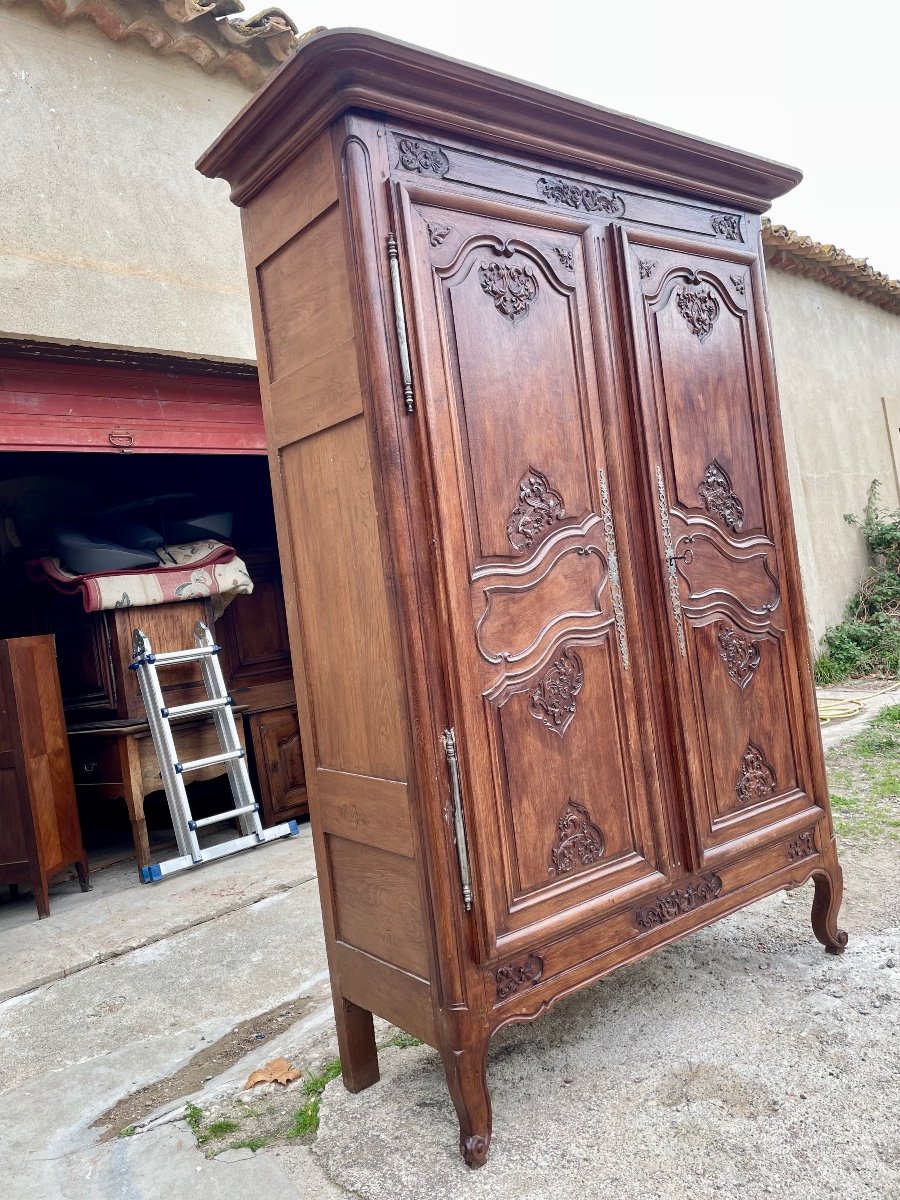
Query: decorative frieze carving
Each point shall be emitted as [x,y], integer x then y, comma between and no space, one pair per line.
[579,842]
[738,652]
[678,902]
[436,232]
[513,976]
[566,257]
[756,781]
[552,702]
[575,195]
[512,289]
[700,309]
[539,508]
[718,497]
[726,225]
[422,157]
[802,846]
[646,267]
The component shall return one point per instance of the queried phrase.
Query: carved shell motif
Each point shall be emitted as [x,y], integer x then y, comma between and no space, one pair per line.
[739,653]
[757,778]
[718,497]
[553,700]
[512,289]
[579,842]
[700,309]
[539,508]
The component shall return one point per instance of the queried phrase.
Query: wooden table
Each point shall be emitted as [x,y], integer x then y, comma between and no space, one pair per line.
[116,759]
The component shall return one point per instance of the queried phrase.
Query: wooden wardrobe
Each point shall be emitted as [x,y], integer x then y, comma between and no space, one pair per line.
[542,583]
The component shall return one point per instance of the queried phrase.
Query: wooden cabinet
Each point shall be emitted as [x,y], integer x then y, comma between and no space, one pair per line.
[542,585]
[39,829]
[278,757]
[95,652]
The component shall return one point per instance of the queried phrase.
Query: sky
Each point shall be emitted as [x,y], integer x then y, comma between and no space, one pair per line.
[815,85]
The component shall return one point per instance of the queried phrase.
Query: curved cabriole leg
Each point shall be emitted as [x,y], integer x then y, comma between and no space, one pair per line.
[826,903]
[466,1072]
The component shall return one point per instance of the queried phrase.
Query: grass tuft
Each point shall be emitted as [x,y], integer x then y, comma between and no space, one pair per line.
[405,1041]
[306,1118]
[865,771]
[251,1143]
[217,1129]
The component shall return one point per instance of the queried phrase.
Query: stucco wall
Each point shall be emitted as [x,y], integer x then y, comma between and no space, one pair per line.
[108,234]
[836,359]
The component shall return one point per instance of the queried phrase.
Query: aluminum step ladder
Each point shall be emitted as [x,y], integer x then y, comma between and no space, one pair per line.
[218,705]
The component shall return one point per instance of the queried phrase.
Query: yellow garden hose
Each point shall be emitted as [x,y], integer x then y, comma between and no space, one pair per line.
[839,708]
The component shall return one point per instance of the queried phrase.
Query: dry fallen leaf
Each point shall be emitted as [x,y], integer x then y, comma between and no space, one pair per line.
[277,1070]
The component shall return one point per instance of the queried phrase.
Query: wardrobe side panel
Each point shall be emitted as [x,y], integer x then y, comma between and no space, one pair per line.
[337,597]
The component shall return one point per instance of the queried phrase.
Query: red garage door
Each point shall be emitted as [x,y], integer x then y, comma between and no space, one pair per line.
[63,406]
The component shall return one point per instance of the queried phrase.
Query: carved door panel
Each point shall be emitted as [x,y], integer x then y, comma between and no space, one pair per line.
[279,764]
[718,539]
[536,578]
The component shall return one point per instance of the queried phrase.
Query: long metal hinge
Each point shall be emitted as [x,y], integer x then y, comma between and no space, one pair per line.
[400,323]
[462,851]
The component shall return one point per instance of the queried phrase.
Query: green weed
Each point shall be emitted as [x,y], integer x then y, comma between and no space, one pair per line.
[217,1129]
[252,1143]
[193,1114]
[867,642]
[405,1041]
[306,1118]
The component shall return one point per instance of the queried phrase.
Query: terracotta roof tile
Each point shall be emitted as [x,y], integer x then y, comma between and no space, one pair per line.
[209,32]
[787,250]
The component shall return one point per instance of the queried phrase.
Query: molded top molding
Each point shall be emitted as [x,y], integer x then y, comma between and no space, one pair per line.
[342,69]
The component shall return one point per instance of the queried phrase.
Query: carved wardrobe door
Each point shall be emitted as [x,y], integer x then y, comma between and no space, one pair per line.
[718,539]
[534,568]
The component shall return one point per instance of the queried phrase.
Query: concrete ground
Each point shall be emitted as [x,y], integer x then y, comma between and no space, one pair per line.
[740,1062]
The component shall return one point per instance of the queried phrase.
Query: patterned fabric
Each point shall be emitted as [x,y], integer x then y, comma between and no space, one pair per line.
[194,570]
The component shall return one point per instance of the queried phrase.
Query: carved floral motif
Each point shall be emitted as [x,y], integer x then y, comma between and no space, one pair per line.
[579,842]
[718,497]
[678,902]
[802,846]
[422,157]
[516,975]
[566,257]
[757,777]
[436,232]
[512,289]
[646,267]
[727,226]
[539,508]
[738,652]
[574,195]
[700,309]
[553,700]
[738,283]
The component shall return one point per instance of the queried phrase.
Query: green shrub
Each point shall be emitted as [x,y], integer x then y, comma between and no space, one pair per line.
[868,640]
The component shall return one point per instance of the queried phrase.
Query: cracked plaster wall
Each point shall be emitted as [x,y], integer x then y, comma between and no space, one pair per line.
[108,234]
